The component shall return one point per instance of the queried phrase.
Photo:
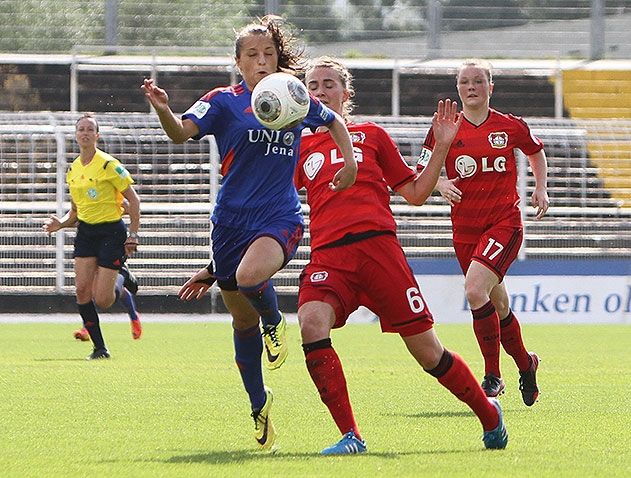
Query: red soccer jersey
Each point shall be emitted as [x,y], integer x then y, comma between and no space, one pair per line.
[365,206]
[483,159]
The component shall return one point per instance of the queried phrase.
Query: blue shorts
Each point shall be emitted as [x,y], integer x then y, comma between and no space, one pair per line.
[105,241]
[229,246]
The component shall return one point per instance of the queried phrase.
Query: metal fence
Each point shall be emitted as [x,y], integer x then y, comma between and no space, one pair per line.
[588,29]
[589,216]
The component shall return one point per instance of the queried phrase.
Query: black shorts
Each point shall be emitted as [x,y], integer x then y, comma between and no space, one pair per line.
[105,241]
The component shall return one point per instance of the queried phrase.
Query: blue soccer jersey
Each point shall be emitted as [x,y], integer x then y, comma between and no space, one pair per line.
[257,164]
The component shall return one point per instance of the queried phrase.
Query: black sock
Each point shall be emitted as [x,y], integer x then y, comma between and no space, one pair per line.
[91,323]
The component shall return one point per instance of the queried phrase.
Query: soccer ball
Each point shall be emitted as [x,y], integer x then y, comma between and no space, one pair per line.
[280,101]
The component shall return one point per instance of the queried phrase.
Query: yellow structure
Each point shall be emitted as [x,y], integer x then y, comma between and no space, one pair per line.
[589,94]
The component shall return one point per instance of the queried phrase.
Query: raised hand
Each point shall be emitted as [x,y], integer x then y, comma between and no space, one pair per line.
[158,98]
[446,121]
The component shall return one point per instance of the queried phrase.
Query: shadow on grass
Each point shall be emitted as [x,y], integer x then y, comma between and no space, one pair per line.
[240,456]
[463,413]
[76,359]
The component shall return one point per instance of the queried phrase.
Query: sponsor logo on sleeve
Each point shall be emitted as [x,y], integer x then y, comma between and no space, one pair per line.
[122,172]
[423,159]
[199,109]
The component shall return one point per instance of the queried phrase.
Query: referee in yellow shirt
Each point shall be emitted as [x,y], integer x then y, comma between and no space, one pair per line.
[99,186]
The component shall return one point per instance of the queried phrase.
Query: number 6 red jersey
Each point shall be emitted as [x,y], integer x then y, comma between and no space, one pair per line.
[366,205]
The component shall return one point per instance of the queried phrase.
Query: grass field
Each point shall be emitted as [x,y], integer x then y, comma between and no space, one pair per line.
[172,405]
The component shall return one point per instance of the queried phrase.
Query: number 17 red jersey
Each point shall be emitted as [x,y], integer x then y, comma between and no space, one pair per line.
[482,159]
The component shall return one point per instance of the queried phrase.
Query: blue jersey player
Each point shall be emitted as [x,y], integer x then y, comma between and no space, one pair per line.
[257,221]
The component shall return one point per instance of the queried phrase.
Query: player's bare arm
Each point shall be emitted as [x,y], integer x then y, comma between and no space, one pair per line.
[345,177]
[445,123]
[177,130]
[54,223]
[133,209]
[539,199]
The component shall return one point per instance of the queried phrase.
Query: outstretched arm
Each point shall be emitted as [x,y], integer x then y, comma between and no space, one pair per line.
[177,129]
[445,124]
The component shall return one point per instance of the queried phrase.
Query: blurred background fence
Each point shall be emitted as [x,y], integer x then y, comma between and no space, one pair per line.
[589,217]
[589,29]
[564,65]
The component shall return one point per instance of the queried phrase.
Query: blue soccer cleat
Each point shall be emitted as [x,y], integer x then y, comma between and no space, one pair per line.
[493,386]
[348,445]
[497,438]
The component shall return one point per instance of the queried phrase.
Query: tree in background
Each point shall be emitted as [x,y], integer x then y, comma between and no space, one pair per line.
[56,26]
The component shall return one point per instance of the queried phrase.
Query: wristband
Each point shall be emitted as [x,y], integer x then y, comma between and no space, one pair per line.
[211,280]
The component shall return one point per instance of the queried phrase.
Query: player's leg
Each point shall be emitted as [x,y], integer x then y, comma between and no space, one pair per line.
[268,252]
[263,258]
[85,272]
[453,373]
[479,281]
[248,346]
[316,319]
[127,300]
[511,339]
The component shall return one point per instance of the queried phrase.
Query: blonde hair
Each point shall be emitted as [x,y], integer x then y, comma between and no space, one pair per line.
[345,76]
[484,65]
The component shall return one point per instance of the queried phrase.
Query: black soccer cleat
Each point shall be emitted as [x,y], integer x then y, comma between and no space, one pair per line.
[98,354]
[492,385]
[130,283]
[528,381]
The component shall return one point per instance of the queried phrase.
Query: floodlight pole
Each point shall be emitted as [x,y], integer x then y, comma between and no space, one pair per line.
[597,30]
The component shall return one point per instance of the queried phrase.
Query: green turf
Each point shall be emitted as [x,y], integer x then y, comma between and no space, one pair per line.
[172,405]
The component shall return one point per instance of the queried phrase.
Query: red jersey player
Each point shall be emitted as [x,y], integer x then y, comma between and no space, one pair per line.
[481,187]
[356,258]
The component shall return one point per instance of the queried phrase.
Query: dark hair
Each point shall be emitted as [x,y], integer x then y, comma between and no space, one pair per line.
[345,78]
[88,116]
[289,53]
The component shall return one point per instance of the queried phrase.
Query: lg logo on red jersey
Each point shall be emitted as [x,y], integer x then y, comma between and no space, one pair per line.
[466,166]
[316,160]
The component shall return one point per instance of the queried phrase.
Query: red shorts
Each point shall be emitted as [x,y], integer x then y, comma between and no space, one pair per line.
[497,248]
[374,273]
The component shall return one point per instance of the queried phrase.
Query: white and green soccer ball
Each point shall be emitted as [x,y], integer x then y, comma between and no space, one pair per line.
[280,101]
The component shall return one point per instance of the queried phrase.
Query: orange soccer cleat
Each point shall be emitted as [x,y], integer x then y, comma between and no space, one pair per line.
[81,334]
[136,329]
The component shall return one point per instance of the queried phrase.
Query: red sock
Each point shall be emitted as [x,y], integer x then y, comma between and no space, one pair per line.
[486,326]
[327,374]
[454,374]
[510,336]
